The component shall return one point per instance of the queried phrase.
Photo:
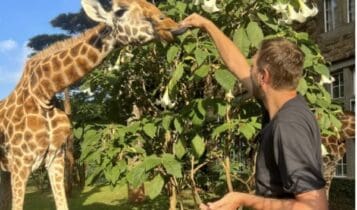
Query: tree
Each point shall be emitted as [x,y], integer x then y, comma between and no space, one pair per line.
[175,142]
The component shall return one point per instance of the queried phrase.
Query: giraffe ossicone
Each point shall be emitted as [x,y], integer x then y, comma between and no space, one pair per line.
[32,131]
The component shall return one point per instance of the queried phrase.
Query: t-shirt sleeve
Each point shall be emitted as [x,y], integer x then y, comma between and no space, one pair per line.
[295,155]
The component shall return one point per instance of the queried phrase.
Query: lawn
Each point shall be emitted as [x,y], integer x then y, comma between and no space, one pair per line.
[92,198]
[106,198]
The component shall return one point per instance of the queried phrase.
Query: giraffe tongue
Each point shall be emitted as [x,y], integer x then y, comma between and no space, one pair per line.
[179,31]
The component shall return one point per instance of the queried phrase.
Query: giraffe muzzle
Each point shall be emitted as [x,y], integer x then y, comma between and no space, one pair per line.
[179,31]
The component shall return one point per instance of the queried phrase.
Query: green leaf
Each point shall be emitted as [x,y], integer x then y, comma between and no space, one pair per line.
[267,21]
[171,165]
[180,150]
[150,129]
[189,47]
[202,71]
[225,79]
[247,130]
[181,7]
[172,53]
[302,88]
[335,122]
[309,57]
[201,108]
[302,36]
[198,146]
[176,76]
[178,126]
[94,175]
[200,56]
[222,109]
[220,129]
[113,174]
[151,162]
[311,98]
[240,39]
[322,69]
[197,118]
[136,176]
[166,122]
[154,187]
[255,34]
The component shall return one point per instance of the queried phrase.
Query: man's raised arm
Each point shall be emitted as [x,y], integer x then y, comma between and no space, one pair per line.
[231,55]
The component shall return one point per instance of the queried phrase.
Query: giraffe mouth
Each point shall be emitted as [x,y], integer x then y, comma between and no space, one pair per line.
[178,31]
[168,34]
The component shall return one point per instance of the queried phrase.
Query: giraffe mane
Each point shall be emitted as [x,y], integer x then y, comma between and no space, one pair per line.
[67,43]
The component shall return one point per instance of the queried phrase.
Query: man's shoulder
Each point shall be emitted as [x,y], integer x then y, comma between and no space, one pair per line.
[295,109]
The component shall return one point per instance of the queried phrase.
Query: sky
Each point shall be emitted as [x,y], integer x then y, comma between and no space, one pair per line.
[21,20]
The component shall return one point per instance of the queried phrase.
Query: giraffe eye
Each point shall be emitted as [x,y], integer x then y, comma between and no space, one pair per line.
[162,17]
[120,12]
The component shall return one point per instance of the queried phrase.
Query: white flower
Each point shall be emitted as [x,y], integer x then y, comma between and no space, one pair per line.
[229,95]
[306,11]
[280,7]
[88,91]
[165,101]
[324,151]
[293,15]
[210,6]
[326,80]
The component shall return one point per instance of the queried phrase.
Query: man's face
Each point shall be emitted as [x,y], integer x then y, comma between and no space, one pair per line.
[255,78]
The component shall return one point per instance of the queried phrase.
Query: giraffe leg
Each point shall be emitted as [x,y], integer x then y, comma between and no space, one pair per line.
[55,170]
[18,187]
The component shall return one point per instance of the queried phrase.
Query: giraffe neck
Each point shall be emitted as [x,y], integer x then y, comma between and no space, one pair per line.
[65,63]
[348,125]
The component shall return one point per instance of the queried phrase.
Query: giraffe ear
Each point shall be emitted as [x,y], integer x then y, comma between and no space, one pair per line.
[95,11]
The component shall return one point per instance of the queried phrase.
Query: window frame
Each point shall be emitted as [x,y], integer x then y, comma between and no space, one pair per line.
[349,14]
[333,18]
[343,164]
[341,88]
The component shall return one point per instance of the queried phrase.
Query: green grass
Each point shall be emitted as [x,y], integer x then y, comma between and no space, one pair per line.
[107,198]
[92,198]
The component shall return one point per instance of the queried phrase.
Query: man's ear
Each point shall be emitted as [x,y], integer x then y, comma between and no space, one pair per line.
[95,11]
[265,75]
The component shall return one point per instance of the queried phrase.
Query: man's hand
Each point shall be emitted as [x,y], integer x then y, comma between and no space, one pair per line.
[230,201]
[194,20]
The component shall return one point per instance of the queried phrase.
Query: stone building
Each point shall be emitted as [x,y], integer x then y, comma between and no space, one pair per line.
[334,31]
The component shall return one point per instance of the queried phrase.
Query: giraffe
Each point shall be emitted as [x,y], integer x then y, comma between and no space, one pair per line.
[32,131]
[336,147]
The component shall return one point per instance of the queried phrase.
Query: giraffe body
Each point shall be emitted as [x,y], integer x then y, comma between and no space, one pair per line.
[32,131]
[336,147]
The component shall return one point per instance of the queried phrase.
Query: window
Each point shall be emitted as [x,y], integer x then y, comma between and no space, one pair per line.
[337,88]
[341,168]
[330,13]
[350,11]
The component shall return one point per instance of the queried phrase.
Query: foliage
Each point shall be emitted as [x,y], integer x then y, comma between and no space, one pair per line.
[141,139]
[342,194]
[42,41]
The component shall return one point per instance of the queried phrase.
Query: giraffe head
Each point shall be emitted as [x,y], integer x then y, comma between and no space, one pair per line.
[133,21]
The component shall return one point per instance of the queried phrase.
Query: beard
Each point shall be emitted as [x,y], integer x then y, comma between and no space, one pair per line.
[257,91]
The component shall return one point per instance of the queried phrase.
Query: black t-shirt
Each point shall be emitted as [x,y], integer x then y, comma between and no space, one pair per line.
[289,159]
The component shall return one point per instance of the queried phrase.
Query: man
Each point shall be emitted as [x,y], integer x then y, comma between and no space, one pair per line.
[288,169]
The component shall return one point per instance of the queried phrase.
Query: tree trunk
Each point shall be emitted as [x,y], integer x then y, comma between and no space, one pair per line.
[5,191]
[81,168]
[69,148]
[173,195]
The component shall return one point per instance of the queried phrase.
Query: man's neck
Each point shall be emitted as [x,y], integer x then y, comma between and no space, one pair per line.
[276,99]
